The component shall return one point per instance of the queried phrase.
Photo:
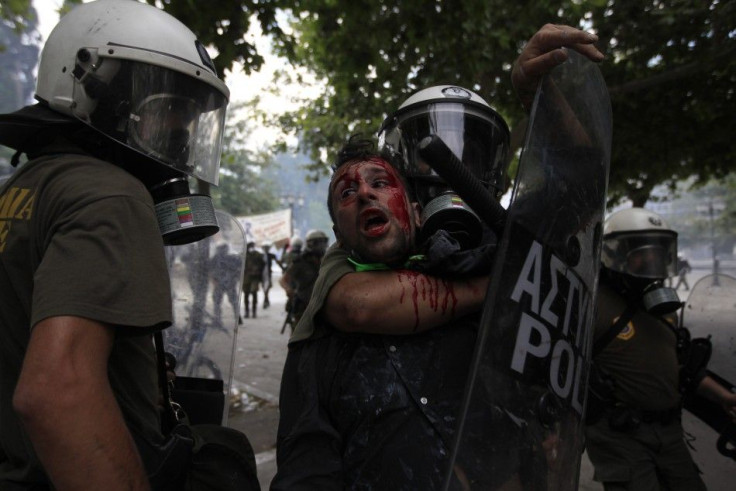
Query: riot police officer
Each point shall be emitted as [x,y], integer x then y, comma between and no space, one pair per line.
[634,438]
[298,279]
[129,107]
[252,277]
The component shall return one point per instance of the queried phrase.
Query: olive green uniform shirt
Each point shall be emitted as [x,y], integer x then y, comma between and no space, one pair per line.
[79,237]
[642,359]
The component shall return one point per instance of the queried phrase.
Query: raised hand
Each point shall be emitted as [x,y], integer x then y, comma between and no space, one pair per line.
[545,50]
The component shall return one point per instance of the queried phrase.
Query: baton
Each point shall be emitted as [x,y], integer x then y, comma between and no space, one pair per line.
[434,151]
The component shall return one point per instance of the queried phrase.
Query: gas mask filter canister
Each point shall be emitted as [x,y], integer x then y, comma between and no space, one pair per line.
[660,300]
[183,217]
[449,212]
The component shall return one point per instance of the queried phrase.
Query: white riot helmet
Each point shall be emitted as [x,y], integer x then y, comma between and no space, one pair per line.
[316,240]
[639,245]
[137,75]
[473,131]
[296,243]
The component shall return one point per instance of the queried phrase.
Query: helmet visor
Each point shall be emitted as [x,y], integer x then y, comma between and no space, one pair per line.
[163,114]
[651,255]
[476,136]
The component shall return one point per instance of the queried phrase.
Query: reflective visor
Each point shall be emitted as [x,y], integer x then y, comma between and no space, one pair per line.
[473,135]
[643,254]
[166,115]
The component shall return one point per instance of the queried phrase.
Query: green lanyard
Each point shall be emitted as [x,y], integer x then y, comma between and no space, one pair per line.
[360,267]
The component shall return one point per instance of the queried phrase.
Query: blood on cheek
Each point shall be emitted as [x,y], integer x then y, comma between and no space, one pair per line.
[438,293]
[399,208]
[397,202]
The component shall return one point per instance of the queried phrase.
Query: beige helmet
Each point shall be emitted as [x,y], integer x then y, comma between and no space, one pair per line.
[296,243]
[139,76]
[639,243]
[316,240]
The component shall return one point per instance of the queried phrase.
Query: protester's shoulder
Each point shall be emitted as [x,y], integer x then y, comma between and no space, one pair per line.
[336,256]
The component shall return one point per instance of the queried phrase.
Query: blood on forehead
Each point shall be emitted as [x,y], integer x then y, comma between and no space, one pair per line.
[363,170]
[354,169]
[360,170]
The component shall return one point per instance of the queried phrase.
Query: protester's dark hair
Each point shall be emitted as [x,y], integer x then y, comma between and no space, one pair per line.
[359,148]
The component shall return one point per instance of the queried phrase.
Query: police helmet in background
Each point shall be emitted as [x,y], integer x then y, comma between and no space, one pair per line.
[473,131]
[316,241]
[639,245]
[137,75]
[296,243]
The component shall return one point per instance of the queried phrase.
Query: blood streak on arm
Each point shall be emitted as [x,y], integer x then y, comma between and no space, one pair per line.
[430,291]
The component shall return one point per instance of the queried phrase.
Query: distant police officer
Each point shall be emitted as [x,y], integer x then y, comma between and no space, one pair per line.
[270,258]
[129,107]
[635,439]
[252,277]
[298,279]
[225,270]
[295,249]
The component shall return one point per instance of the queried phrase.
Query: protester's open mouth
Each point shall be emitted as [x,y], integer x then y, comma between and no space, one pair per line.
[373,222]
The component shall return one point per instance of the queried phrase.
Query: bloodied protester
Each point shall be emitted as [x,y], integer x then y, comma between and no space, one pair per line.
[376,368]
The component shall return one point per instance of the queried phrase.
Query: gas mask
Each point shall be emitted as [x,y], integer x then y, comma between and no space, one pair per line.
[640,251]
[443,209]
[655,297]
[158,98]
[659,299]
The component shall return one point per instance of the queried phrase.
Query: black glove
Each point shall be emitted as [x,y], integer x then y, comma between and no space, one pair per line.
[443,257]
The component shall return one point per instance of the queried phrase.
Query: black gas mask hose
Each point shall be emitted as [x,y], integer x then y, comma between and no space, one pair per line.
[434,151]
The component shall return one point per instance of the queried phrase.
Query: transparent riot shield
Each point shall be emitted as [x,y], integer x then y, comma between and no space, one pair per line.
[521,423]
[206,283]
[710,312]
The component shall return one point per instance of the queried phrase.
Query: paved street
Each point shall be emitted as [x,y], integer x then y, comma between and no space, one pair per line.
[259,361]
[260,357]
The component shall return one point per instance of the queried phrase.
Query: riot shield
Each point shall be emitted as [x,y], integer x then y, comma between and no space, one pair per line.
[521,423]
[709,312]
[206,287]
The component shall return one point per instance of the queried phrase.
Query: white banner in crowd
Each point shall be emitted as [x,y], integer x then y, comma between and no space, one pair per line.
[274,227]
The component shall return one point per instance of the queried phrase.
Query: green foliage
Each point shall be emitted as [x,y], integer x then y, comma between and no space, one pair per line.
[671,73]
[223,26]
[18,15]
[669,67]
[243,189]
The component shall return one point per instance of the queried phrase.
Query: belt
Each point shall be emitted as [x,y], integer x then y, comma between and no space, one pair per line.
[663,416]
[623,418]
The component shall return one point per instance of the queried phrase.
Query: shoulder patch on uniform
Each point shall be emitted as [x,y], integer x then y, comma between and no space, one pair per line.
[627,332]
